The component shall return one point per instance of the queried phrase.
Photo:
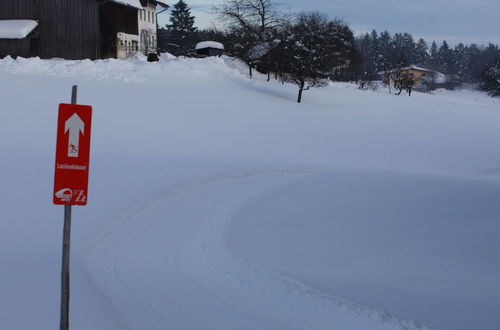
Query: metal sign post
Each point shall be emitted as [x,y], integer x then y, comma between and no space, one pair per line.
[65,269]
[64,325]
[71,179]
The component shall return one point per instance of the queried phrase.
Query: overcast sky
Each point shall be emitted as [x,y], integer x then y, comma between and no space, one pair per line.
[456,21]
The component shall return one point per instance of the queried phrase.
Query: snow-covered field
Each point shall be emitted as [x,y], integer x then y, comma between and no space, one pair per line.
[217,202]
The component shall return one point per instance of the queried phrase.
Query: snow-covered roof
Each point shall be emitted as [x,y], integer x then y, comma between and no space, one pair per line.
[162,4]
[411,67]
[209,44]
[414,67]
[131,3]
[16,28]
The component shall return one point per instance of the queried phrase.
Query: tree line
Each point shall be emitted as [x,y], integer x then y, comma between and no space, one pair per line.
[309,49]
[465,63]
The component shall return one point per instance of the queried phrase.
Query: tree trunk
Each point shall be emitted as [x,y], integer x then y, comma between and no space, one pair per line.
[269,76]
[250,70]
[301,89]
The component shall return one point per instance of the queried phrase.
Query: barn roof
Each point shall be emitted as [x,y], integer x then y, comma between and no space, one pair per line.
[155,2]
[16,28]
[411,67]
[131,3]
[162,4]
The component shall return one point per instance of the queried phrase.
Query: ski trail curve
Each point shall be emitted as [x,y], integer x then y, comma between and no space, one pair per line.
[165,267]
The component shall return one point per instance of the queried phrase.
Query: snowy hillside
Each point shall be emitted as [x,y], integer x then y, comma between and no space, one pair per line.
[217,202]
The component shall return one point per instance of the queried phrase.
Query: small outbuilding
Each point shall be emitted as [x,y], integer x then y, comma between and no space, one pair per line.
[209,48]
[15,34]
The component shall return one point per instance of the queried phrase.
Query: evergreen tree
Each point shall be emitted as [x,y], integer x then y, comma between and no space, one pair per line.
[461,61]
[409,48]
[375,55]
[445,58]
[475,68]
[404,46]
[434,59]
[387,58]
[489,56]
[365,52]
[361,59]
[421,52]
[182,30]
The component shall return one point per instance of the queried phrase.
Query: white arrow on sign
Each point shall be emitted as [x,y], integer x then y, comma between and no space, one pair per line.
[74,125]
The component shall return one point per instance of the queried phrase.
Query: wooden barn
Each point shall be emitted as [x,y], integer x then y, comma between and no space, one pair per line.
[77,29]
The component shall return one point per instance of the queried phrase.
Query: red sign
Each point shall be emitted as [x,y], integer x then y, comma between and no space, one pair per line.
[72,154]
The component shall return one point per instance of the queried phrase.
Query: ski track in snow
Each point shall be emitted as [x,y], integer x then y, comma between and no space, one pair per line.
[195,273]
[193,282]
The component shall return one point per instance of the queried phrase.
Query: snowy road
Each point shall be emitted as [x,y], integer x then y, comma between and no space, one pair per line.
[167,264]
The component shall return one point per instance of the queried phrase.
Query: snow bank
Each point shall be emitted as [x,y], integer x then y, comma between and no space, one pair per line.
[167,56]
[16,29]
[136,69]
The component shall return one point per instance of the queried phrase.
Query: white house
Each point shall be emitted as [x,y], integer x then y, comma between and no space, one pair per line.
[148,25]
[145,41]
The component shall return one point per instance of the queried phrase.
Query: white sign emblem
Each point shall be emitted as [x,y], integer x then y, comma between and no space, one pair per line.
[64,194]
[74,125]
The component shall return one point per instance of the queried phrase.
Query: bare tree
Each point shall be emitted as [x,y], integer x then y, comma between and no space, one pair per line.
[313,50]
[256,17]
[403,81]
[251,22]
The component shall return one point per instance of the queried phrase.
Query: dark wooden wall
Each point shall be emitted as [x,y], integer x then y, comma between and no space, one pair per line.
[67,28]
[114,18]
[23,48]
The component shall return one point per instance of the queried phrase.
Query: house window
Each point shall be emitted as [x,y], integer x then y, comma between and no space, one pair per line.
[153,17]
[149,16]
